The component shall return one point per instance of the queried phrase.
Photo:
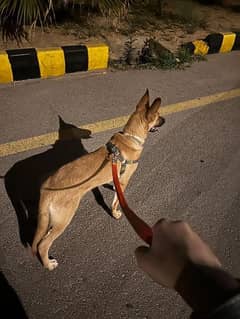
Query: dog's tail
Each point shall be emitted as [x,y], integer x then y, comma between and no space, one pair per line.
[42,228]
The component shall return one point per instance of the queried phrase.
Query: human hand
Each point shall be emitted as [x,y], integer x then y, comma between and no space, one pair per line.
[174,245]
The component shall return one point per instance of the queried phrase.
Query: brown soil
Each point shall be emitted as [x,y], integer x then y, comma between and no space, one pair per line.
[170,32]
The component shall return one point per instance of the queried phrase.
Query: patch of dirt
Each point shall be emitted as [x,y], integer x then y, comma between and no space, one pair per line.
[170,32]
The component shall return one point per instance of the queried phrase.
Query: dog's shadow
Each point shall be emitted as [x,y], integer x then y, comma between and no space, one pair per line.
[24,178]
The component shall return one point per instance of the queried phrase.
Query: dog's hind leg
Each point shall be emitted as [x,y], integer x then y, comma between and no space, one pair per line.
[42,227]
[58,223]
[45,244]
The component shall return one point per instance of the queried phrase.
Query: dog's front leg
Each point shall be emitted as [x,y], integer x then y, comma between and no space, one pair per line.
[116,213]
[124,179]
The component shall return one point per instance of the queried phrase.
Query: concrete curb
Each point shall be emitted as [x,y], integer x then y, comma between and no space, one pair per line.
[215,43]
[32,63]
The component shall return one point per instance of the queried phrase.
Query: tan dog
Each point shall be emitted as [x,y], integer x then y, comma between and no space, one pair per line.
[61,193]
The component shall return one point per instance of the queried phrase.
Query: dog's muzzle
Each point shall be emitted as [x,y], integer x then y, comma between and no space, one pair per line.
[155,127]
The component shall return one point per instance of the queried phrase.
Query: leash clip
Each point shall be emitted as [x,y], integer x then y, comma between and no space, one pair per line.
[114,158]
[114,151]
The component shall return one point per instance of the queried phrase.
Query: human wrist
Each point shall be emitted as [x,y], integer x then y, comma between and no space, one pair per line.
[205,287]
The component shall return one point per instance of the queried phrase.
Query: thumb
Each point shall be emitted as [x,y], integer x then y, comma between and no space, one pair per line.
[150,264]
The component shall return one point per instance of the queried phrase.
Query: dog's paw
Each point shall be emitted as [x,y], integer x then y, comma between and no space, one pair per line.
[52,264]
[116,214]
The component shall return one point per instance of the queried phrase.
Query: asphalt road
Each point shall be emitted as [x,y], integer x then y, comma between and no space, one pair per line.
[189,170]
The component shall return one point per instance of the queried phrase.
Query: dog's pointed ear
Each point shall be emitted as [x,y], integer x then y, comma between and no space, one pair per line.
[154,108]
[61,121]
[143,104]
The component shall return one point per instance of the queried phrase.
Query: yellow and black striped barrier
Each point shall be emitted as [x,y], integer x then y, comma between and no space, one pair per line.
[23,64]
[214,43]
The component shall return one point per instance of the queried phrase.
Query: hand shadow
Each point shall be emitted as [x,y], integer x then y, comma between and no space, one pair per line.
[24,178]
[11,305]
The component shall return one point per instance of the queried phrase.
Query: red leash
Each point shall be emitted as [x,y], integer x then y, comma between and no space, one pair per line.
[143,230]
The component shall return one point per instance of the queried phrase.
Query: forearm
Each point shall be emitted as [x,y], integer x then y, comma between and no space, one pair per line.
[205,288]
